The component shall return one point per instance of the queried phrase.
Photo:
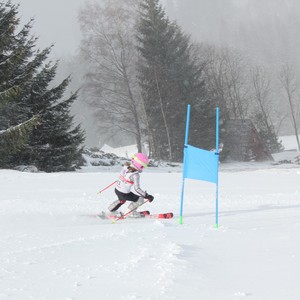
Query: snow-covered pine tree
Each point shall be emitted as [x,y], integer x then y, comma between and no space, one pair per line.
[171,77]
[25,78]
[54,145]
[13,138]
[13,132]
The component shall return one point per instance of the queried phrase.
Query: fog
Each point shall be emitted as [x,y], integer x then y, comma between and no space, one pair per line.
[55,22]
[265,30]
[268,30]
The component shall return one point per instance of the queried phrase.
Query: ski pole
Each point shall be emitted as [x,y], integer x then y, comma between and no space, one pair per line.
[123,216]
[107,187]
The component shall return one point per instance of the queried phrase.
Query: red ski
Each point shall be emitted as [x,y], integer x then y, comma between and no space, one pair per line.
[143,214]
[161,216]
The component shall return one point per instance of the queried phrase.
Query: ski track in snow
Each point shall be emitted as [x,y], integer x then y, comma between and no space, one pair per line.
[155,256]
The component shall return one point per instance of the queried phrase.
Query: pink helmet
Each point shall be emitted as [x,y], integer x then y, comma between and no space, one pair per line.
[140,161]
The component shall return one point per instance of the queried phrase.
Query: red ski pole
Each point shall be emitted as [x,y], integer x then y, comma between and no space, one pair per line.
[123,216]
[107,187]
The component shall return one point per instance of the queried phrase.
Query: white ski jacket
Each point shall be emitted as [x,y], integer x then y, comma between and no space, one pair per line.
[127,180]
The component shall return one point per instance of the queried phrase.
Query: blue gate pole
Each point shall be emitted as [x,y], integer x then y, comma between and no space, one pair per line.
[217,154]
[183,171]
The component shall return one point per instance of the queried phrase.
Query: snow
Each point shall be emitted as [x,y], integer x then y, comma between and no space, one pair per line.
[127,151]
[53,247]
[289,142]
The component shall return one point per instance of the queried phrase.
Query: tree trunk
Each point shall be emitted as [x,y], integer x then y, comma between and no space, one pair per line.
[287,78]
[134,112]
[164,117]
[152,150]
[293,119]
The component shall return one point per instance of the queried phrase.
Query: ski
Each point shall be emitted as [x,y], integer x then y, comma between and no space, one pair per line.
[147,214]
[142,214]
[104,215]
[161,216]
[138,214]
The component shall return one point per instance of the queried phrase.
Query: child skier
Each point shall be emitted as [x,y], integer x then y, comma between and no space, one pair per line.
[128,178]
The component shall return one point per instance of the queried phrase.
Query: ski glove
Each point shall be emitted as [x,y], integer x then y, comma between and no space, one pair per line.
[150,198]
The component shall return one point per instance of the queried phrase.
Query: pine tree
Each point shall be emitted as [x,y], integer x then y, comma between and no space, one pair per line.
[53,145]
[13,138]
[13,132]
[171,77]
[267,133]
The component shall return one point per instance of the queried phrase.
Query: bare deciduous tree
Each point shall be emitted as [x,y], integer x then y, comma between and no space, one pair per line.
[261,89]
[260,83]
[109,48]
[226,79]
[287,77]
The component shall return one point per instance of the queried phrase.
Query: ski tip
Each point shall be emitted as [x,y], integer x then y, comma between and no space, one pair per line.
[166,215]
[101,215]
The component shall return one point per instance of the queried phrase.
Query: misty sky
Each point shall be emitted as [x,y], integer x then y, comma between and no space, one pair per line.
[212,20]
[55,22]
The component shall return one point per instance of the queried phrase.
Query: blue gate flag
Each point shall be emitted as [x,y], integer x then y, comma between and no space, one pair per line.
[200,164]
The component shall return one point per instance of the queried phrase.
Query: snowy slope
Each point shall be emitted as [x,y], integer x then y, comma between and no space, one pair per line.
[52,247]
[289,142]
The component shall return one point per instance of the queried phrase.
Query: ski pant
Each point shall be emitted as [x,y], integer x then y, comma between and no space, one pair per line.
[136,201]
